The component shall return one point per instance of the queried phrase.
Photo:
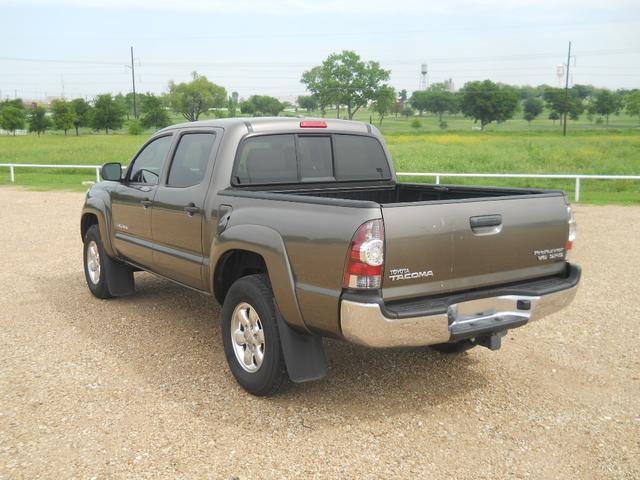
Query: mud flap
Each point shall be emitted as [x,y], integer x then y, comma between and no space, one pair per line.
[303,354]
[119,278]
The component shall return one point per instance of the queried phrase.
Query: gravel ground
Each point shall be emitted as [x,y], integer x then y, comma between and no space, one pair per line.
[138,387]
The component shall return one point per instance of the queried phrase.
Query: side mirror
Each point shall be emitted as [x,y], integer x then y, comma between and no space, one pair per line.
[111,171]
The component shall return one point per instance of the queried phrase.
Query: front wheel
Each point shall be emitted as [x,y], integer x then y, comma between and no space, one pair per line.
[250,336]
[94,263]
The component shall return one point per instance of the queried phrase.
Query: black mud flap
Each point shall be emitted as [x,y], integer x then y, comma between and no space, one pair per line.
[119,278]
[303,354]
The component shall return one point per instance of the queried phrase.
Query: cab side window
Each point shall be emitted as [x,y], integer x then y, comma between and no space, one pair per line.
[148,164]
[190,160]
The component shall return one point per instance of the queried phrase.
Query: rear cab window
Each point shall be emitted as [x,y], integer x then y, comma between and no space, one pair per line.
[297,158]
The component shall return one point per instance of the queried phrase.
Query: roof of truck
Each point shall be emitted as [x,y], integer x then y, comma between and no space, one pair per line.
[263,124]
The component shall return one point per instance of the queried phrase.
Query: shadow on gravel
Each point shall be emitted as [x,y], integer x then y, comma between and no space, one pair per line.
[169,336]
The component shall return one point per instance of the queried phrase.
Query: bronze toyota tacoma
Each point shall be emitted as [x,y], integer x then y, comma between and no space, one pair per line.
[300,229]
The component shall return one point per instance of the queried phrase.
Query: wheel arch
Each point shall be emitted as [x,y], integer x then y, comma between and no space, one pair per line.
[95,215]
[248,249]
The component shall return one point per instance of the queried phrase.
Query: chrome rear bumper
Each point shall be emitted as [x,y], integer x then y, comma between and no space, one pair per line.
[366,324]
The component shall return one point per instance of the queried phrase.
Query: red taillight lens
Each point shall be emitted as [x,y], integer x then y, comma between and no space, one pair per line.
[313,124]
[365,263]
[573,230]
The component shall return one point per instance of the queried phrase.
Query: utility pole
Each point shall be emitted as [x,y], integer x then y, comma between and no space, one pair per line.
[566,94]
[133,81]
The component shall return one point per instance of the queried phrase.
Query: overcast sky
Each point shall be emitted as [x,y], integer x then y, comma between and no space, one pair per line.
[81,47]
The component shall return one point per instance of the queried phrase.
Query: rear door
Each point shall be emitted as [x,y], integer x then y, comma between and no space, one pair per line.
[178,208]
[433,248]
[133,199]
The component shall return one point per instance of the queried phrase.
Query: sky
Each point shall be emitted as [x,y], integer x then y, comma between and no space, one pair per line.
[79,48]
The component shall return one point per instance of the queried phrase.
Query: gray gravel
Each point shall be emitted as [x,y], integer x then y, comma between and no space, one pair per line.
[138,387]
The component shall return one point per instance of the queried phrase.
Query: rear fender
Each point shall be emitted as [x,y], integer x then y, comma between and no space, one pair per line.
[267,243]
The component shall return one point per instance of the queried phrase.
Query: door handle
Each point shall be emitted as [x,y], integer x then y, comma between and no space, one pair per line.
[146,203]
[485,221]
[486,224]
[191,209]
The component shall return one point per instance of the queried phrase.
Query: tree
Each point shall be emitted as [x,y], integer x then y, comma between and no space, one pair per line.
[402,96]
[308,102]
[38,121]
[419,101]
[554,116]
[606,102]
[125,103]
[82,113]
[437,99]
[632,101]
[583,92]
[560,102]
[16,102]
[153,112]
[261,105]
[384,102]
[107,113]
[63,115]
[233,104]
[407,112]
[196,97]
[344,79]
[532,108]
[488,102]
[12,118]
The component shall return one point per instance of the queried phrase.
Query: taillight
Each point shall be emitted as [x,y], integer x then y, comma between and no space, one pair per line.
[365,263]
[573,230]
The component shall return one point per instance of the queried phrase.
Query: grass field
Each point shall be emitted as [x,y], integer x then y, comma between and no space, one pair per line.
[503,149]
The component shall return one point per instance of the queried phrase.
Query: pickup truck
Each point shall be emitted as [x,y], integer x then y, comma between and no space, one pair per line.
[300,230]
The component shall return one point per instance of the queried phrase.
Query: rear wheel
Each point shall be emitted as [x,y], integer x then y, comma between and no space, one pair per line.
[250,336]
[455,347]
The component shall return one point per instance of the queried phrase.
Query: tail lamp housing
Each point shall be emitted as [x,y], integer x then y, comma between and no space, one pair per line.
[365,261]
[573,230]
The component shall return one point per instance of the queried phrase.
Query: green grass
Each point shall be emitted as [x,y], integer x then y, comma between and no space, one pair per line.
[57,149]
[585,151]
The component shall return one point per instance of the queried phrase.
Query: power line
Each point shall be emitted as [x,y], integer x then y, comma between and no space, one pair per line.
[306,64]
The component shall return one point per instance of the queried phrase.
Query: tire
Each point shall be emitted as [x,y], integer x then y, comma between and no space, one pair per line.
[94,258]
[250,337]
[457,347]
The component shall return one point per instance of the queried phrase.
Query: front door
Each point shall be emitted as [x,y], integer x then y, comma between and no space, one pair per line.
[132,202]
[178,207]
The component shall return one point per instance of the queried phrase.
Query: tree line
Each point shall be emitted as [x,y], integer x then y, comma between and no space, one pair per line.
[106,112]
[343,82]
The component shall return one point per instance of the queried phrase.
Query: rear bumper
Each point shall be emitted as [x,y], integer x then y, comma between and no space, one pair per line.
[448,319]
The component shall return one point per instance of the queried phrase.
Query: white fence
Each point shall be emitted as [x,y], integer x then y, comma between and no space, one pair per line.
[576,178]
[13,166]
[437,176]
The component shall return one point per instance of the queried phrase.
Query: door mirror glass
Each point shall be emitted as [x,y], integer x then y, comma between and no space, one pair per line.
[111,172]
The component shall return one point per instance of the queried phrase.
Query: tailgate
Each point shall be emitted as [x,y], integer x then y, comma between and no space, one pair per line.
[433,248]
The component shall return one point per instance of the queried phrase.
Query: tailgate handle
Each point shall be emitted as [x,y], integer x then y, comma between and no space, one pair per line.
[485,221]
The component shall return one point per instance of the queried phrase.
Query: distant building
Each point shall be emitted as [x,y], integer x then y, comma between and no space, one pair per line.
[449,85]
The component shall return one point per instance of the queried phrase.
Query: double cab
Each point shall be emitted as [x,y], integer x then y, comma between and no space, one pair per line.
[300,230]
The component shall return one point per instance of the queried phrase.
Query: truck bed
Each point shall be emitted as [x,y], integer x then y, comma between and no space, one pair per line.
[451,238]
[413,193]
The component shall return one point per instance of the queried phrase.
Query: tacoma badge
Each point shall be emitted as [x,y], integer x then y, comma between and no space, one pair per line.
[406,274]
